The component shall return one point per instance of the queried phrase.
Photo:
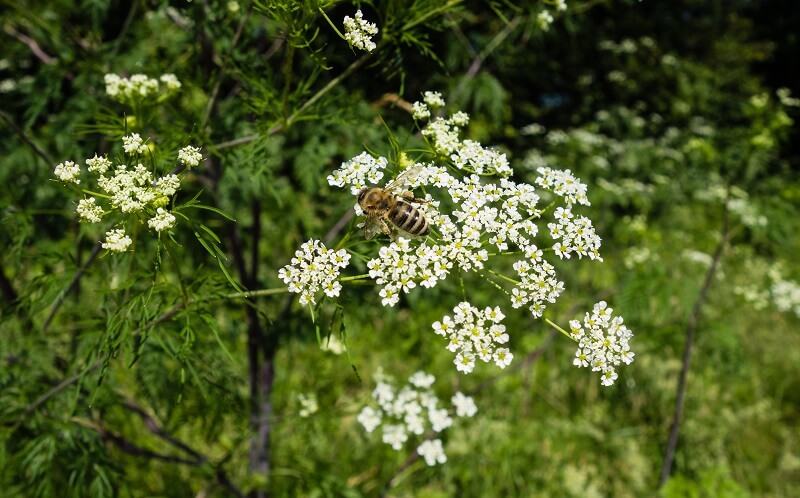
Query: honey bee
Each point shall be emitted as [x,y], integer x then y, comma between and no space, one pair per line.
[395,205]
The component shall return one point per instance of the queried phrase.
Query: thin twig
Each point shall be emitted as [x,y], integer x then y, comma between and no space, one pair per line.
[691,330]
[129,446]
[338,227]
[60,387]
[32,45]
[478,59]
[72,285]
[153,427]
[21,134]
[279,127]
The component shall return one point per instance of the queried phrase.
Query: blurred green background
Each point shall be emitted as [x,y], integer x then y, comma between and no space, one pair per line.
[678,115]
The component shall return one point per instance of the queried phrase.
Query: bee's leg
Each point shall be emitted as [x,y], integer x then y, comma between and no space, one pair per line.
[387,231]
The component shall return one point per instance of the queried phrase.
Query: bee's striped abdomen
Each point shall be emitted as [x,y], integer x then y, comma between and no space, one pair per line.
[408,219]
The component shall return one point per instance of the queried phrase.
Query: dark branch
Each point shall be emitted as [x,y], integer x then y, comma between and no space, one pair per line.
[691,330]
[21,134]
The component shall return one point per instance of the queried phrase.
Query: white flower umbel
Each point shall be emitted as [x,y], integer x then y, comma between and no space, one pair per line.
[139,87]
[163,220]
[89,211]
[412,412]
[476,215]
[133,144]
[308,404]
[465,405]
[433,99]
[68,172]
[358,32]
[420,111]
[786,296]
[432,452]
[563,184]
[125,190]
[577,235]
[475,334]
[171,81]
[190,156]
[117,241]
[602,342]
[359,172]
[314,269]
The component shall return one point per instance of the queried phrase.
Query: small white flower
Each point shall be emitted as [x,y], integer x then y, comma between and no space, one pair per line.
[603,342]
[464,405]
[474,333]
[333,345]
[171,81]
[314,268]
[359,172]
[308,404]
[113,83]
[98,164]
[68,172]
[89,211]
[133,144]
[433,99]
[167,185]
[359,32]
[544,19]
[432,452]
[420,111]
[117,241]
[422,379]
[395,435]
[370,418]
[163,220]
[190,156]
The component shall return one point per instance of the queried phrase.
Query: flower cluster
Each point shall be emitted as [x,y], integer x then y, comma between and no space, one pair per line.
[190,156]
[358,32]
[117,241]
[473,221]
[314,268]
[358,172]
[786,296]
[602,342]
[308,404]
[538,283]
[563,184]
[430,100]
[133,144]
[497,215]
[127,188]
[139,87]
[576,235]
[413,410]
[475,333]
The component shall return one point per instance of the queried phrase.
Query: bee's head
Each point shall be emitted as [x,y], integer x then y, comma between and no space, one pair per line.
[362,194]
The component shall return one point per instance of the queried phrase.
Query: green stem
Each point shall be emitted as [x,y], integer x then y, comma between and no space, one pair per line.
[500,275]
[433,12]
[363,276]
[331,23]
[547,320]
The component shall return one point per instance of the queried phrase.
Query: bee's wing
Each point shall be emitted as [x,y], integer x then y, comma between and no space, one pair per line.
[372,225]
[404,178]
